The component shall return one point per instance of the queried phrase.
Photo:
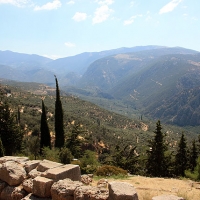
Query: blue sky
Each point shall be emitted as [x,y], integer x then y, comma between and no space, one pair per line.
[61,28]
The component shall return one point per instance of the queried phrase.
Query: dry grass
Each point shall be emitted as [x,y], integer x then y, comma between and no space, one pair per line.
[149,187]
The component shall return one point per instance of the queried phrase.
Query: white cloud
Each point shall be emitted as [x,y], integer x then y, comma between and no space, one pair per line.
[71,2]
[79,16]
[170,6]
[105,2]
[49,6]
[18,3]
[69,44]
[131,20]
[132,3]
[101,14]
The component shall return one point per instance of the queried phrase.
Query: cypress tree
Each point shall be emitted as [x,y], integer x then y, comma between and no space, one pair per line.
[59,128]
[156,162]
[45,138]
[181,157]
[193,156]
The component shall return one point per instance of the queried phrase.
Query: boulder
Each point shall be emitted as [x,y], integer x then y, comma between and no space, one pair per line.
[65,171]
[64,189]
[46,164]
[102,183]
[42,186]
[34,173]
[33,197]
[85,179]
[90,193]
[31,164]
[13,158]
[167,197]
[12,173]
[28,185]
[121,191]
[13,193]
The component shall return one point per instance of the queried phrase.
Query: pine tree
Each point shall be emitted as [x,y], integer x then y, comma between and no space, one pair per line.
[45,138]
[181,157]
[156,162]
[59,127]
[193,156]
[10,132]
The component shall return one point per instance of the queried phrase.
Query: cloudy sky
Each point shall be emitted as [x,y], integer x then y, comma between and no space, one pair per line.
[61,28]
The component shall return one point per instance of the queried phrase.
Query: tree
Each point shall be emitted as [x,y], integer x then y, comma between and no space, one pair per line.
[156,162]
[10,132]
[193,156]
[59,128]
[45,138]
[1,149]
[181,157]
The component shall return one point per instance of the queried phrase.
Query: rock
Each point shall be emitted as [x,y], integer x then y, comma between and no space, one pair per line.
[13,193]
[33,197]
[2,185]
[85,179]
[90,193]
[28,185]
[66,171]
[12,173]
[34,173]
[121,191]
[31,164]
[196,185]
[13,158]
[167,197]
[64,189]
[42,186]
[46,164]
[102,183]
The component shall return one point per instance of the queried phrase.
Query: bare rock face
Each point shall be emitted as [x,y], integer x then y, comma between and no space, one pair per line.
[13,193]
[12,173]
[122,191]
[86,179]
[90,193]
[28,185]
[62,172]
[167,197]
[42,186]
[64,189]
[47,164]
[33,197]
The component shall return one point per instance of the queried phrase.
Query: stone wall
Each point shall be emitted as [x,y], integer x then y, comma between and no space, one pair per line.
[21,178]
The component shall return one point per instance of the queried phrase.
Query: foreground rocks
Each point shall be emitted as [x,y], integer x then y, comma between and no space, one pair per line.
[21,178]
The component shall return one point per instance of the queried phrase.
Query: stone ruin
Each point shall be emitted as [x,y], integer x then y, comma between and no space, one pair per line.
[21,178]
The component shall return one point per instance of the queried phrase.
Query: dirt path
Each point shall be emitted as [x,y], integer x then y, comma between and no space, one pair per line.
[149,187]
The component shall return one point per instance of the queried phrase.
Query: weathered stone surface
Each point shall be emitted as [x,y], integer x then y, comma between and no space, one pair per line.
[34,173]
[122,191]
[65,171]
[90,193]
[64,189]
[2,185]
[42,186]
[13,193]
[12,173]
[28,185]
[196,185]
[13,158]
[33,197]
[102,183]
[46,164]
[31,164]
[85,179]
[167,197]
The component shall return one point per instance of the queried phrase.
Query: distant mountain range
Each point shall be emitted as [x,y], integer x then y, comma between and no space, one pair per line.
[162,82]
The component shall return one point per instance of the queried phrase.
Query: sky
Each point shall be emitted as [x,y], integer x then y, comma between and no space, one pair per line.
[62,28]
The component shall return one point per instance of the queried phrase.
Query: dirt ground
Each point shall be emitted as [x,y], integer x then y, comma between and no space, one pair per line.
[147,188]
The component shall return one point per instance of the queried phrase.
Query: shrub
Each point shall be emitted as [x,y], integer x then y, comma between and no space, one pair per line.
[65,155]
[50,154]
[108,170]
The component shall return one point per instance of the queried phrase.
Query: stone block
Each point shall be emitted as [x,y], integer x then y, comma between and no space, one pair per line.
[34,173]
[121,191]
[42,186]
[31,164]
[28,185]
[65,171]
[13,158]
[64,189]
[33,197]
[12,173]
[167,197]
[46,164]
[2,185]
